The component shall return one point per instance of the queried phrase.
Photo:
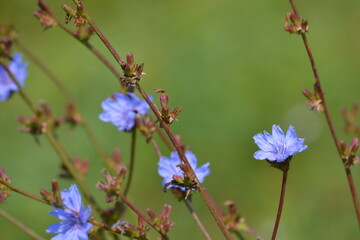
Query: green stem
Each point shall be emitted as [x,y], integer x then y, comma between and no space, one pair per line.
[56,145]
[132,161]
[328,118]
[20,225]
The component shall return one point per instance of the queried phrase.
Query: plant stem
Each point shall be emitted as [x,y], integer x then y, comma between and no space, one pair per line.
[327,116]
[132,161]
[281,203]
[56,145]
[197,220]
[62,88]
[20,225]
[191,172]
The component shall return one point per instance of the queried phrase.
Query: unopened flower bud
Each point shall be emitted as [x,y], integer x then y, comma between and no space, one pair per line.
[354,146]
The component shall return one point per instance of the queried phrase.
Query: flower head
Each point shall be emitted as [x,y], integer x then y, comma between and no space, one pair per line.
[73,225]
[121,110]
[278,146]
[168,168]
[18,68]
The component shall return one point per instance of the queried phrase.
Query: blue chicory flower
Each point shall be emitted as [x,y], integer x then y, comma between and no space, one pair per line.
[168,168]
[73,225]
[278,146]
[121,110]
[7,85]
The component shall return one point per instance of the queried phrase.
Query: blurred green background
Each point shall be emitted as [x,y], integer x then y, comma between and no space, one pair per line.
[235,72]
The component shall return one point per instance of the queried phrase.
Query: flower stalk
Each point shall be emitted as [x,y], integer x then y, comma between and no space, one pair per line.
[281,201]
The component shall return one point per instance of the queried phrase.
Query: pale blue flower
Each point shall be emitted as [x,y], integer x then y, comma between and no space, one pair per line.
[74,223]
[18,69]
[278,146]
[121,110]
[168,168]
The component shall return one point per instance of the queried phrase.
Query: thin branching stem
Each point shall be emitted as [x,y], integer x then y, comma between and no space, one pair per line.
[64,157]
[20,225]
[197,219]
[327,116]
[63,89]
[132,161]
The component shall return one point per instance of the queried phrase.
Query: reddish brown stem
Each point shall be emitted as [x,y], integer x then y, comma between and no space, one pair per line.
[281,203]
[327,116]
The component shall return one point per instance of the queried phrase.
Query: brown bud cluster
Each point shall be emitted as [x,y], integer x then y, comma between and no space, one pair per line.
[167,115]
[41,122]
[53,197]
[348,153]
[162,222]
[112,185]
[132,71]
[294,25]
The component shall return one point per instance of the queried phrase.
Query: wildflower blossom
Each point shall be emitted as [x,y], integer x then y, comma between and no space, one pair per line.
[73,225]
[278,146]
[168,167]
[121,110]
[7,85]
